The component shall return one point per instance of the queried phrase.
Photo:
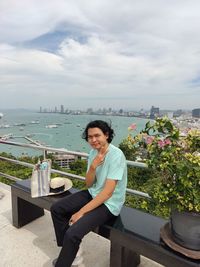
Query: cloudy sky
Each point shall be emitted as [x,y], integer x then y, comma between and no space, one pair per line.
[120,54]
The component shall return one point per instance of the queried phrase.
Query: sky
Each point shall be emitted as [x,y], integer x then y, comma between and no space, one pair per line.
[90,54]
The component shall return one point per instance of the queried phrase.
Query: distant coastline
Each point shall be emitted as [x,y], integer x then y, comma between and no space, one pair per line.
[59,131]
[56,130]
[152,113]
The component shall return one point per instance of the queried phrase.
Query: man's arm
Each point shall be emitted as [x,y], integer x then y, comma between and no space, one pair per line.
[105,194]
[90,176]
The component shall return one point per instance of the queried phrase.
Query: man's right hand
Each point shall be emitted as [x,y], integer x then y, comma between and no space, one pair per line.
[99,159]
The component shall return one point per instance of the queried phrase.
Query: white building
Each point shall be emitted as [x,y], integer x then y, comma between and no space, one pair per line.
[63,160]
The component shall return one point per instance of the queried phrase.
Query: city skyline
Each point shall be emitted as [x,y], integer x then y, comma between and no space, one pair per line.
[115,54]
[64,109]
[151,113]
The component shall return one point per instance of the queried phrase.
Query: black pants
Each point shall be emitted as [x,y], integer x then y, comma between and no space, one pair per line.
[69,238]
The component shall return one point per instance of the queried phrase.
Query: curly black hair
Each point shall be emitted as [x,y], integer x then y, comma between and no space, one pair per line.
[103,126]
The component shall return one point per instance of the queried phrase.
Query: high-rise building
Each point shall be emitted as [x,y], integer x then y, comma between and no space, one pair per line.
[196,113]
[89,110]
[177,113]
[62,109]
[154,112]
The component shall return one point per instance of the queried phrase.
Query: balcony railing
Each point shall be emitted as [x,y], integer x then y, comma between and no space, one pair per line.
[45,149]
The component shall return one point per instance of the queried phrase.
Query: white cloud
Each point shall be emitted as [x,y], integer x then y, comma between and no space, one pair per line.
[131,51]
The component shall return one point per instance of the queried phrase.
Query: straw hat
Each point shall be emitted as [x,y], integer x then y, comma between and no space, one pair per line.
[59,185]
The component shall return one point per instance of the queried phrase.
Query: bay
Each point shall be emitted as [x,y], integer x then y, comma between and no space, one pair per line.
[67,134]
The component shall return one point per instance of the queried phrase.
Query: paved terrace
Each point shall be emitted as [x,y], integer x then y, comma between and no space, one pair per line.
[34,245]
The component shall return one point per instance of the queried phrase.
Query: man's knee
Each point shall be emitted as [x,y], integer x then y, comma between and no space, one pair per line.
[61,209]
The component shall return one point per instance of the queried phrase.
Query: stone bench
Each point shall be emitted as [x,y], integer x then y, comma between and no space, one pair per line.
[133,233]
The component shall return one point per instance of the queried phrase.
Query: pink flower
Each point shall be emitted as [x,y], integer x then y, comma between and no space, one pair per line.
[161,143]
[132,127]
[149,139]
[167,142]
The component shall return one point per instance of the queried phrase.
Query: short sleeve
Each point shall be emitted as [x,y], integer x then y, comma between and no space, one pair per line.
[117,166]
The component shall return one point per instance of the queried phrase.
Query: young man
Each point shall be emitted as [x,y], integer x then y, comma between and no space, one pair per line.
[106,180]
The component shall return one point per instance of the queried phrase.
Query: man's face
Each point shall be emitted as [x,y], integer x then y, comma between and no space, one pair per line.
[96,138]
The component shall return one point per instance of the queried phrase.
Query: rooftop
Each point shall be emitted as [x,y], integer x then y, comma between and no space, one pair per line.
[35,245]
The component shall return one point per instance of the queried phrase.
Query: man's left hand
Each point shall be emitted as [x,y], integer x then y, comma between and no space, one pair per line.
[75,217]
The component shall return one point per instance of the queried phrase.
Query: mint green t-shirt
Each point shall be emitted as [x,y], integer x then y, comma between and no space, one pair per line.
[114,167]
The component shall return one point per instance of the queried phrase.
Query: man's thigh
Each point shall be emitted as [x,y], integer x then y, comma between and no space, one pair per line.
[90,221]
[72,203]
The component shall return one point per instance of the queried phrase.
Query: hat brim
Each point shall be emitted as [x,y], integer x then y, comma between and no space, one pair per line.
[166,236]
[68,184]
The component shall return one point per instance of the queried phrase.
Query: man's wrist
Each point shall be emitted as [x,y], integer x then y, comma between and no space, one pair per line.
[82,211]
[93,167]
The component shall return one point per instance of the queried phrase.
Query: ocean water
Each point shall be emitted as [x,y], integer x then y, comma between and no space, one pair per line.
[68,133]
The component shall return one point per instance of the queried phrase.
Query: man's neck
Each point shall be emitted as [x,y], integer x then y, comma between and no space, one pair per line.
[105,147]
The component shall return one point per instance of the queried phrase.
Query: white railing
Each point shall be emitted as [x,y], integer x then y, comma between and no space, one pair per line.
[44,150]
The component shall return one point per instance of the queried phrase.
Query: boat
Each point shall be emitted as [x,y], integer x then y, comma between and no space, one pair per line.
[50,126]
[20,124]
[4,126]
[1,115]
[29,135]
[7,136]
[34,122]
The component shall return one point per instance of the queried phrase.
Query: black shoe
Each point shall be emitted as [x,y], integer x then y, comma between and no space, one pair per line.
[54,262]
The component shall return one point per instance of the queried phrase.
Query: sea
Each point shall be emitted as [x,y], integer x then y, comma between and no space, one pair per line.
[66,134]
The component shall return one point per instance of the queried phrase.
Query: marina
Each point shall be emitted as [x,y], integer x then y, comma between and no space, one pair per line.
[58,130]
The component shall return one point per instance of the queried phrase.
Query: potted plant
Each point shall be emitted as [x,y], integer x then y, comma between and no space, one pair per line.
[175,159]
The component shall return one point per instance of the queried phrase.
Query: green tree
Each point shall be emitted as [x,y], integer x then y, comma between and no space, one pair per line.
[79,167]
